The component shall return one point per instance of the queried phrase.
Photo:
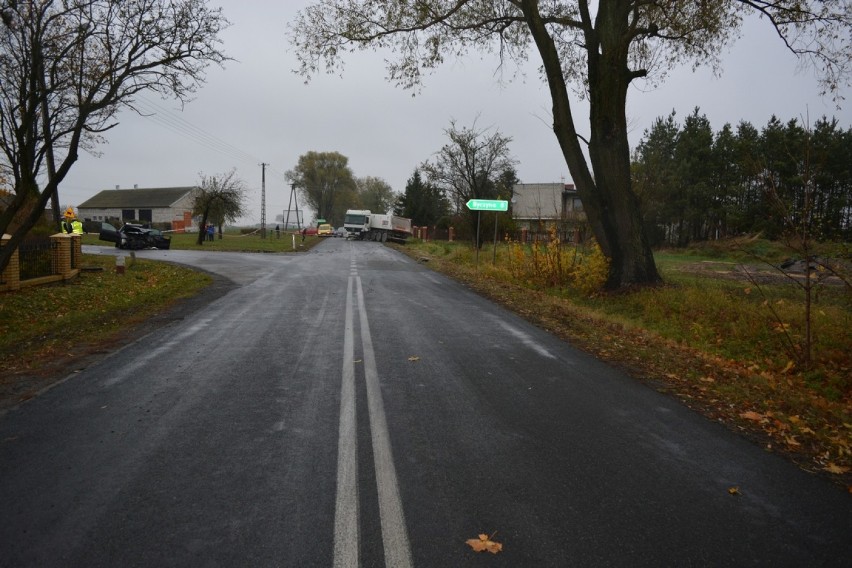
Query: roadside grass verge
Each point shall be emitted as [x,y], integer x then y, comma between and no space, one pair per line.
[45,324]
[705,336]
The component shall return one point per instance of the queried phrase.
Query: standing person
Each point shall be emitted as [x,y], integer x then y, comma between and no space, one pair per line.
[66,226]
[304,232]
[278,231]
[77,227]
[211,230]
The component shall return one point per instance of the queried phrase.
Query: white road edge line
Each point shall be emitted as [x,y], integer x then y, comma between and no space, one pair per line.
[346,536]
[394,533]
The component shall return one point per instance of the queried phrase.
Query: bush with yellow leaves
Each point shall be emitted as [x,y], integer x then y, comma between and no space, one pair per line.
[554,264]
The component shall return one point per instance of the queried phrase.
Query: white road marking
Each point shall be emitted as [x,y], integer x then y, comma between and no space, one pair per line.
[394,533]
[526,339]
[346,506]
[346,533]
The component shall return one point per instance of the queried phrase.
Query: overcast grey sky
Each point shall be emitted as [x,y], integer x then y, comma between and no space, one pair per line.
[257,110]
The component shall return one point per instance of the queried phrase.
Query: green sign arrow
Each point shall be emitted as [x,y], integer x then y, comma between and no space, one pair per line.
[488,205]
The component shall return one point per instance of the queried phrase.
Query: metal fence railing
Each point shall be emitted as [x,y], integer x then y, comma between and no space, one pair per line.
[36,257]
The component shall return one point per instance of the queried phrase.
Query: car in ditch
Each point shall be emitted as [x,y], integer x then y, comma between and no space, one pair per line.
[135,237]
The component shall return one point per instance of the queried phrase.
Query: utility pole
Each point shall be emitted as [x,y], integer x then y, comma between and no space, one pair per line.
[293,201]
[263,200]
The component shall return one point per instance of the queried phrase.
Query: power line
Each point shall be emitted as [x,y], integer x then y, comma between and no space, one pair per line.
[170,120]
[174,122]
[178,124]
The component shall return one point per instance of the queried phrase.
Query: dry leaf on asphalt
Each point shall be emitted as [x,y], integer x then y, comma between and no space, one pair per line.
[836,469]
[483,543]
[414,358]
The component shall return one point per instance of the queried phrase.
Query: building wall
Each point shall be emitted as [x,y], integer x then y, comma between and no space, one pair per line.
[537,201]
[158,215]
[98,214]
[539,207]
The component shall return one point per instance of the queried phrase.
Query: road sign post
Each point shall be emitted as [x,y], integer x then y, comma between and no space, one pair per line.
[480,205]
[488,205]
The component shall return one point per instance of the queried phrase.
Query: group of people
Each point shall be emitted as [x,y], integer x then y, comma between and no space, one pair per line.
[210,232]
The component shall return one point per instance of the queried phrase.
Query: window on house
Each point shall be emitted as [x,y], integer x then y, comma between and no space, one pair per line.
[128,214]
[146,215]
[577,204]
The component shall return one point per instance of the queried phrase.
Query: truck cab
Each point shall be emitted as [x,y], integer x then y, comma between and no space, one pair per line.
[357,222]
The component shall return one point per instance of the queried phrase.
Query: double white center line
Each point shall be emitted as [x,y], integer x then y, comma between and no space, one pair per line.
[346,534]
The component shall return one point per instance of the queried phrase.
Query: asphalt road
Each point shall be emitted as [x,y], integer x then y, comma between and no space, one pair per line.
[349,407]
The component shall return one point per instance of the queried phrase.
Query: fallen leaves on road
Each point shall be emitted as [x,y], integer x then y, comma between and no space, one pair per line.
[836,469]
[483,543]
[414,358]
[734,490]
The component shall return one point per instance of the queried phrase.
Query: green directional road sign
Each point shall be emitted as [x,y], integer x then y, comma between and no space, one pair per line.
[488,205]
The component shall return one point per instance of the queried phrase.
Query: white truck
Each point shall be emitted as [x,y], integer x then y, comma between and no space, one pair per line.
[365,225]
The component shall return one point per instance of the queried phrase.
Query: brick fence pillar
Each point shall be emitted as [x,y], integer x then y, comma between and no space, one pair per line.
[10,279]
[62,251]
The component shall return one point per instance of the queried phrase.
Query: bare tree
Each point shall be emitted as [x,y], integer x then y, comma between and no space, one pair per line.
[218,198]
[470,166]
[597,47]
[67,67]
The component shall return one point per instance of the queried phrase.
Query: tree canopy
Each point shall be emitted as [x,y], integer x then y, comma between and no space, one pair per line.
[423,203]
[326,184]
[375,194]
[598,49]
[699,185]
[67,68]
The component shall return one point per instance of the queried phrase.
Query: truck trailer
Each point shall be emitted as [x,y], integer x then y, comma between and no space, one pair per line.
[365,225]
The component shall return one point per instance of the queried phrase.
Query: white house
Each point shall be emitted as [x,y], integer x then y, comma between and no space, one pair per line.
[152,205]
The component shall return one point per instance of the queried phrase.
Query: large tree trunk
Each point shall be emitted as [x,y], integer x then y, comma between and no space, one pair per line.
[607,194]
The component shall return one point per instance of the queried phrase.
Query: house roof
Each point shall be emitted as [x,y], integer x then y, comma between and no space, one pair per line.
[136,198]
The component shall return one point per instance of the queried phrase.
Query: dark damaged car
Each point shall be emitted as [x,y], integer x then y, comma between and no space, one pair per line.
[135,237]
